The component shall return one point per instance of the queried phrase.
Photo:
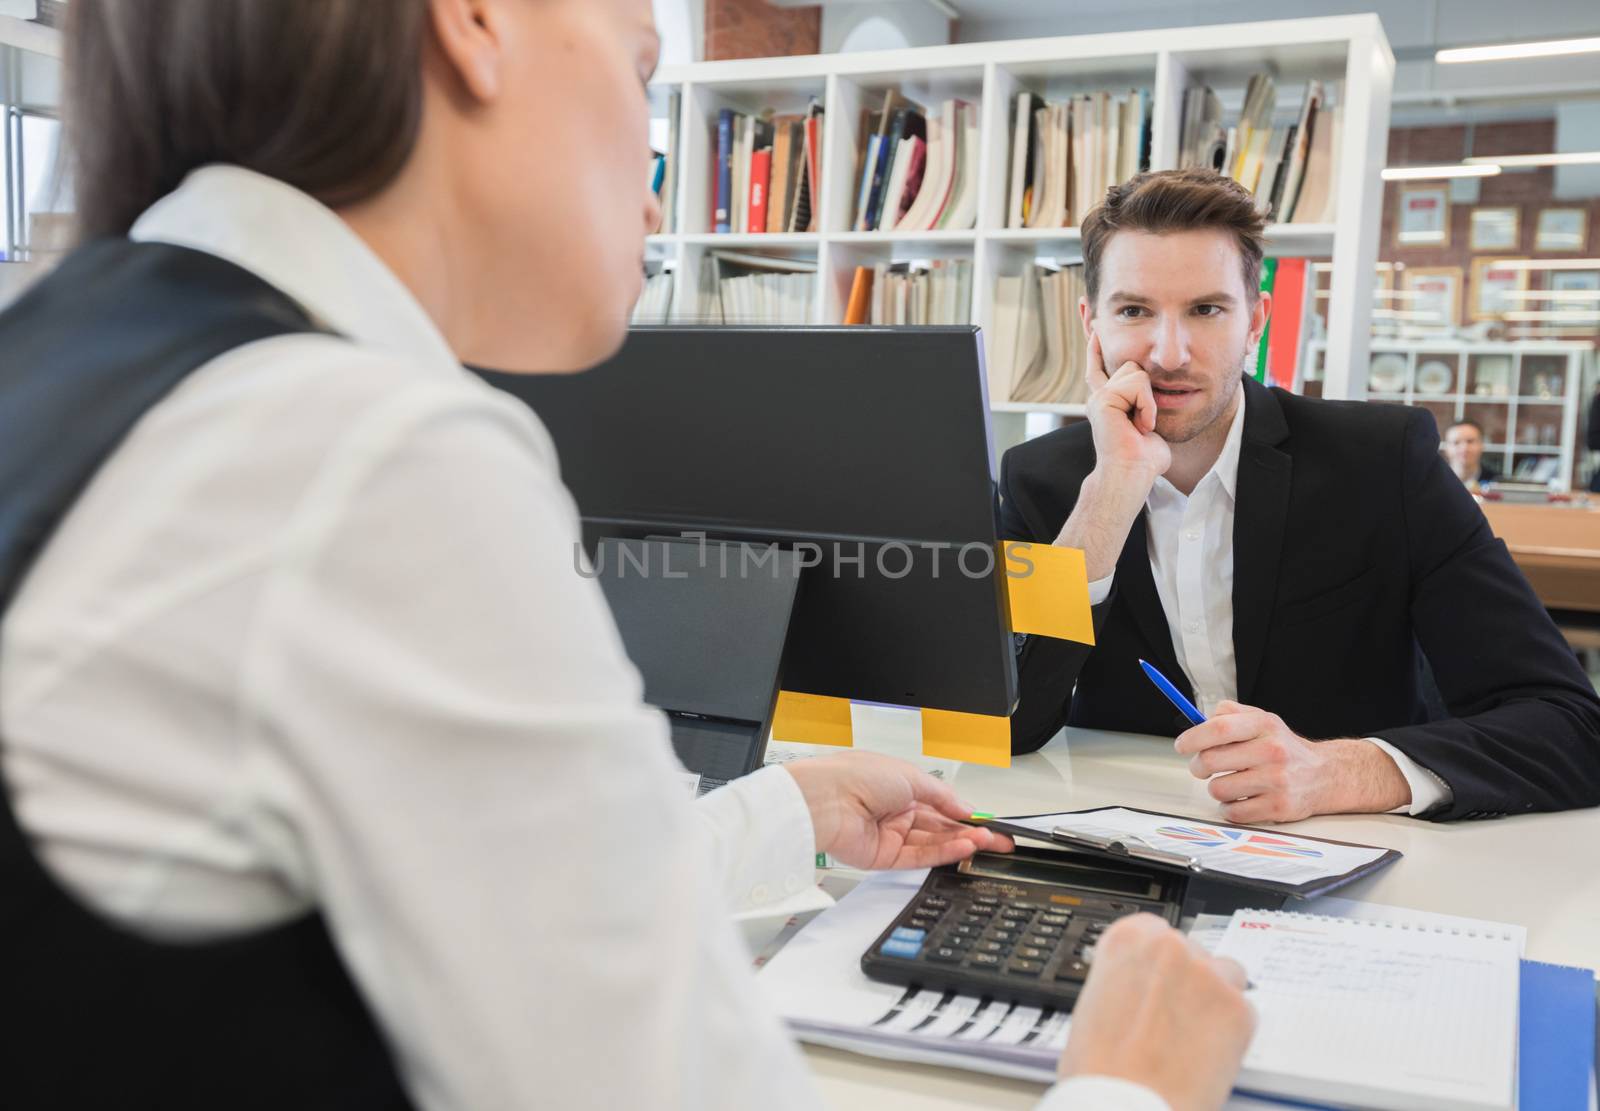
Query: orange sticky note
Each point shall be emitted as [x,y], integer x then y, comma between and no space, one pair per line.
[813,719]
[975,738]
[1048,588]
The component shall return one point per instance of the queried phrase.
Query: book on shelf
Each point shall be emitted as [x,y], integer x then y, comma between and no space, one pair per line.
[741,288]
[664,169]
[1038,351]
[858,310]
[655,300]
[1289,167]
[1066,155]
[918,170]
[764,167]
[1284,341]
[923,292]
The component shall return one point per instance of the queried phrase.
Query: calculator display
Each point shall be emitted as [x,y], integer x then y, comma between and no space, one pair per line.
[1044,871]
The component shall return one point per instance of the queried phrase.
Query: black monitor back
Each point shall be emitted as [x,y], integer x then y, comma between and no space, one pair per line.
[862,441]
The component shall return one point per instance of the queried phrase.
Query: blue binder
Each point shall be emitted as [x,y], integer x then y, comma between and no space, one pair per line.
[1556,1037]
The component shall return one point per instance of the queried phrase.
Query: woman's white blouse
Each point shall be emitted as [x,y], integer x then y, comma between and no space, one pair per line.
[313,638]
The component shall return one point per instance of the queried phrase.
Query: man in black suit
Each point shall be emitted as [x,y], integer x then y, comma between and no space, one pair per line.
[1300,568]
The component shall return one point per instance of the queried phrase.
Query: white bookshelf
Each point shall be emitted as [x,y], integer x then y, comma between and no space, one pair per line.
[1350,50]
[1526,396]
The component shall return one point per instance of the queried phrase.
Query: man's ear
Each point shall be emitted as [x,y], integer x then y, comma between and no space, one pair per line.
[469,34]
[1086,316]
[1260,316]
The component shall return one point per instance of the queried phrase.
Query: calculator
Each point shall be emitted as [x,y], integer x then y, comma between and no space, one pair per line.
[1018,927]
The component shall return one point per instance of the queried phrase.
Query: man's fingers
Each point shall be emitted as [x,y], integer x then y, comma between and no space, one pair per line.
[1144,415]
[1094,367]
[1225,730]
[1262,808]
[930,792]
[1227,758]
[1242,785]
[1231,971]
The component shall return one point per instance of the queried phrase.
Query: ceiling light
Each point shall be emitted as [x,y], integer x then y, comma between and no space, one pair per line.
[1505,51]
[1546,264]
[1564,158]
[1569,316]
[1418,173]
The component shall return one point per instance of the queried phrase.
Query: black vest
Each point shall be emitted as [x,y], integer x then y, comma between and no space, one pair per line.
[93,1016]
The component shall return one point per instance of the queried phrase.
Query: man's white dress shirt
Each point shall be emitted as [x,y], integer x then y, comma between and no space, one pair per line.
[1191,558]
[313,638]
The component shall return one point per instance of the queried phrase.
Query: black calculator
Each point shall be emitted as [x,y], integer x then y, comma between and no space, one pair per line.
[1019,927]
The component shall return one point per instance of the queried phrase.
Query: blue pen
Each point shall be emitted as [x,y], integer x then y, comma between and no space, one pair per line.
[1174,695]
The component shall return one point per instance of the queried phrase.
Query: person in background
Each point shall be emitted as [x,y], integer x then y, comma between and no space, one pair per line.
[306,715]
[1463,449]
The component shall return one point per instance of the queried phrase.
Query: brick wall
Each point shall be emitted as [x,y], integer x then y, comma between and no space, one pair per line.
[1528,191]
[758,29]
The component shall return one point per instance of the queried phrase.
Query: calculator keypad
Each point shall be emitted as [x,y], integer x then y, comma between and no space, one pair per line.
[979,939]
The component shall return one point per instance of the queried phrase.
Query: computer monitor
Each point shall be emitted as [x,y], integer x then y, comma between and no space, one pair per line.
[865,449]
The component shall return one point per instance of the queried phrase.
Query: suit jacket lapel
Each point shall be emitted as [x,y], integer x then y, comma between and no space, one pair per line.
[1136,586]
[1261,512]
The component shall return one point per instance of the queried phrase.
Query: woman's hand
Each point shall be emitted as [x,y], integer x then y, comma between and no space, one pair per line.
[873,811]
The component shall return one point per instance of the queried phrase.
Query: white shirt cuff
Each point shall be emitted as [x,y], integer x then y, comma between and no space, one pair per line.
[1101,1093]
[1100,589]
[1427,789]
[761,831]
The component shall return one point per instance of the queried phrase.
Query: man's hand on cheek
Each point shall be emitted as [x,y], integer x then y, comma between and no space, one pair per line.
[1265,772]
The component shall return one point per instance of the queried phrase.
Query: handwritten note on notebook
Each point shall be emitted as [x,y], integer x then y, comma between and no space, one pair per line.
[1378,1014]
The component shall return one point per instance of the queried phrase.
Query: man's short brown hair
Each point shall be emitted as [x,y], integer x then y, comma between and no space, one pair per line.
[1175,200]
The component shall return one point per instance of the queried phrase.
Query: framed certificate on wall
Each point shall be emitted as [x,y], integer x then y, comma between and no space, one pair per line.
[1423,219]
[1436,294]
[1491,281]
[1495,229]
[1561,229]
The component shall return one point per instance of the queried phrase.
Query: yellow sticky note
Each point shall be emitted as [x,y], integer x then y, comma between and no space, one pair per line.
[1048,588]
[975,738]
[813,719]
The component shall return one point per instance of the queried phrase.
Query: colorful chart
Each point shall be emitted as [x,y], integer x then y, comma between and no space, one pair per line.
[1239,841]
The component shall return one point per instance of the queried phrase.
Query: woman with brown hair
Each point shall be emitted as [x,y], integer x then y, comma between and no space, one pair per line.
[329,782]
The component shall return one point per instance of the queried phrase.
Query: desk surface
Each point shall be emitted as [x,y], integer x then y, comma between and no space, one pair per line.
[1541,871]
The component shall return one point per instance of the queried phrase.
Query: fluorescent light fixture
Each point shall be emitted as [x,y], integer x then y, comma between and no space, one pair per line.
[1404,314]
[1564,158]
[1455,169]
[1551,294]
[1546,264]
[1505,51]
[1568,316]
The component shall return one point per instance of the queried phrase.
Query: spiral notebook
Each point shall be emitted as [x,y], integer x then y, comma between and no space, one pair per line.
[1379,1014]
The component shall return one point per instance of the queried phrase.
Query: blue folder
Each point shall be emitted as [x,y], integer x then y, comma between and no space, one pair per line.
[1556,1037]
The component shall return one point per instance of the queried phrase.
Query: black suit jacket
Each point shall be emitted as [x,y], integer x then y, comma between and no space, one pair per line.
[1359,561]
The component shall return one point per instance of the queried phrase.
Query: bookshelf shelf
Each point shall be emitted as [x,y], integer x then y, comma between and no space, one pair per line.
[1349,50]
[959,238]
[754,240]
[1038,407]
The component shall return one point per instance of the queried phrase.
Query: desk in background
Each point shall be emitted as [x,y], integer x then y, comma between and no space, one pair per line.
[1557,547]
[1541,871]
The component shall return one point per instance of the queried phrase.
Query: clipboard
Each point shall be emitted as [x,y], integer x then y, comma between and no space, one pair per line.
[1130,847]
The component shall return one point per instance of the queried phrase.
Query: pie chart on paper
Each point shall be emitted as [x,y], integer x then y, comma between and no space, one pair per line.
[1239,841]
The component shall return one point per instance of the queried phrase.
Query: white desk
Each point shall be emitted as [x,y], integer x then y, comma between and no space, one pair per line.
[1541,871]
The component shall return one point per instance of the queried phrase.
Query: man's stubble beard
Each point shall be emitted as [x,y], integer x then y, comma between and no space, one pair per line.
[1205,421]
